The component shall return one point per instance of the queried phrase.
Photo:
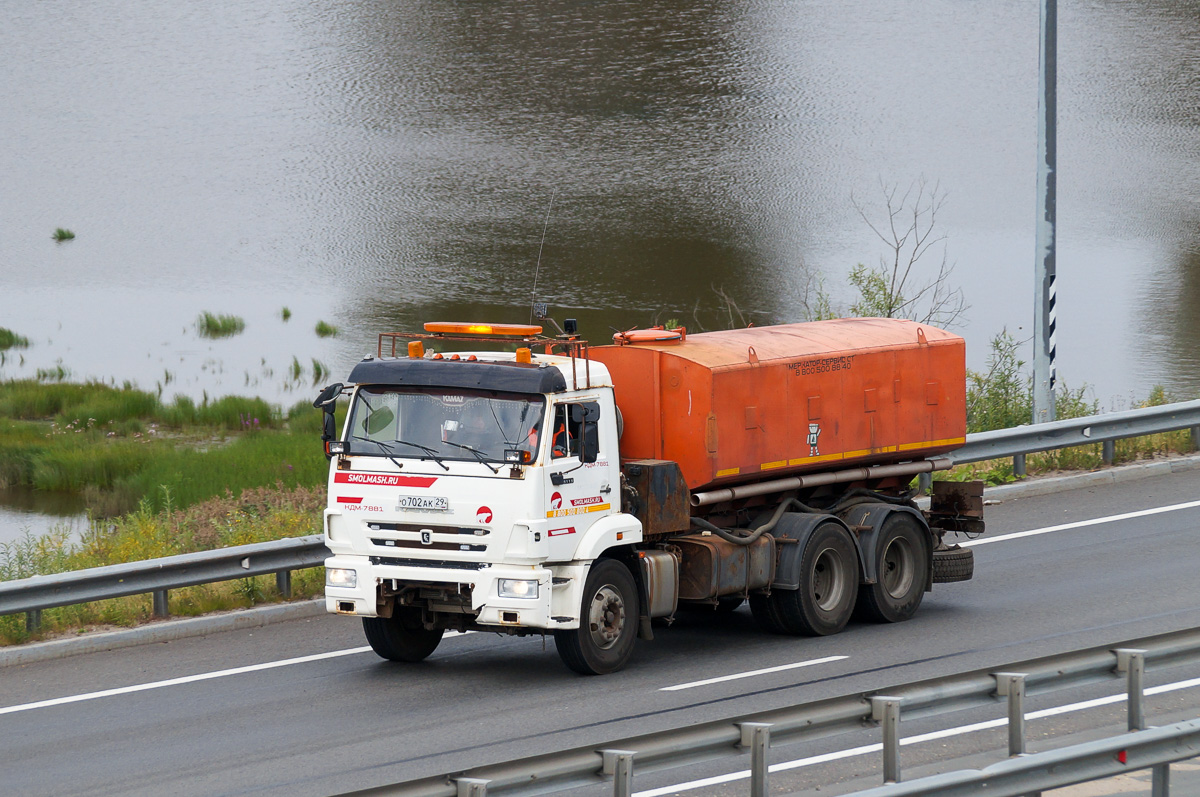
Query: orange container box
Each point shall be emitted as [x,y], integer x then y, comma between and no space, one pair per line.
[743,405]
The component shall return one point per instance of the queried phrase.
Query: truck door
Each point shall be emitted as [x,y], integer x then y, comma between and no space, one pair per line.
[579,488]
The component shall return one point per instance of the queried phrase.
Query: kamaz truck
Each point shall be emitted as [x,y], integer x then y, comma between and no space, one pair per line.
[494,478]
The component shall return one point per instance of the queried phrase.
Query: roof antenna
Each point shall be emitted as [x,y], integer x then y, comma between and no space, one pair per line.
[538,267]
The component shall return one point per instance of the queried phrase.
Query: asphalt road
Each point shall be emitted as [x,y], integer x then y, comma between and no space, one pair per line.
[233,714]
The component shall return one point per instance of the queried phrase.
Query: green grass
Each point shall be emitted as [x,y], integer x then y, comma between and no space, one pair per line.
[210,325]
[11,340]
[119,446]
[325,330]
[286,313]
[256,515]
[62,234]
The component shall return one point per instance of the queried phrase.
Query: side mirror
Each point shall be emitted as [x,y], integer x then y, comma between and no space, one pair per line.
[328,396]
[587,415]
[325,402]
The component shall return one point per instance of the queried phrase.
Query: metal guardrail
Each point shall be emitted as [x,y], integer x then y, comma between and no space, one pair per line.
[616,760]
[1155,749]
[1106,429]
[156,576]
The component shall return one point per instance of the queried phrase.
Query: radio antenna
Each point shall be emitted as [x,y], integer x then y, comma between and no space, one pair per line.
[538,267]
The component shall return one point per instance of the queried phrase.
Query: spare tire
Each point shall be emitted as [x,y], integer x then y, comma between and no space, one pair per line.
[953,564]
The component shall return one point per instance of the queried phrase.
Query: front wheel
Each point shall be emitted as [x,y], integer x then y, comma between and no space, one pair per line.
[901,571]
[401,637]
[608,622]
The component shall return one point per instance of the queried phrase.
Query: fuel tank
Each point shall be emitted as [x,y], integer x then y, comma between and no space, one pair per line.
[742,405]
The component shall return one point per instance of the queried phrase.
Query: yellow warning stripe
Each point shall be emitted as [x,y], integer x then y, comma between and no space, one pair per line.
[728,472]
[578,510]
[949,441]
[865,452]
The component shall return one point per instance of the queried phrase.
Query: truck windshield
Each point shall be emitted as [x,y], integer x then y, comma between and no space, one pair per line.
[443,424]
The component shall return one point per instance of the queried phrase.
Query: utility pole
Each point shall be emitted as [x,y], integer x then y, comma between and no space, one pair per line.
[1044,321]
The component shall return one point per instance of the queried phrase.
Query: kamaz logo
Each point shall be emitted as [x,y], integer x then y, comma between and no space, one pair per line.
[427,537]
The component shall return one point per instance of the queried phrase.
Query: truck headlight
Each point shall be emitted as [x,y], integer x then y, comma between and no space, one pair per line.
[341,577]
[516,588]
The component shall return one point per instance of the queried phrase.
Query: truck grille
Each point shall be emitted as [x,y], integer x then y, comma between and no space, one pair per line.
[417,528]
[393,562]
[434,546]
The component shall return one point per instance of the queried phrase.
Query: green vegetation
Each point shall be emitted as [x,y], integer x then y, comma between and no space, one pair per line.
[1002,398]
[118,447]
[285,314]
[325,330]
[218,326]
[55,374]
[11,340]
[257,515]
[62,234]
[159,480]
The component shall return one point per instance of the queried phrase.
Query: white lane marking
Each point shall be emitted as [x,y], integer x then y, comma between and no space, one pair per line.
[1081,523]
[752,673]
[866,749]
[187,679]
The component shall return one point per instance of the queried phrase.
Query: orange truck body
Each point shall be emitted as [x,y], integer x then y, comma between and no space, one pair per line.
[742,405]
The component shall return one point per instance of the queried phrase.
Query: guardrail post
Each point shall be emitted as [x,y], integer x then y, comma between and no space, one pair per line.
[1012,686]
[886,711]
[757,736]
[160,603]
[33,621]
[471,787]
[283,582]
[1019,465]
[619,764]
[1196,438]
[1108,451]
[1160,781]
[1132,662]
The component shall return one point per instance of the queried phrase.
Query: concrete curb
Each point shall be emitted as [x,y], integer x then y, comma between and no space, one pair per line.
[162,631]
[253,618]
[1077,481]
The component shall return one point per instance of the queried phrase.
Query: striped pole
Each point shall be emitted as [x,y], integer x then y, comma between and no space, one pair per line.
[1045,315]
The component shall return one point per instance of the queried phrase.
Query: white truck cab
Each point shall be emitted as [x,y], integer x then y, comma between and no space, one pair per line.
[477,491]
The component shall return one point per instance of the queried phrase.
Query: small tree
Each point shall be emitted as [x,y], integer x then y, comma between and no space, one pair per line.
[895,288]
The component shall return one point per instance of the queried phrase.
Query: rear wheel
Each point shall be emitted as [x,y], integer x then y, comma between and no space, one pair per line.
[401,637]
[608,622]
[901,571]
[828,586]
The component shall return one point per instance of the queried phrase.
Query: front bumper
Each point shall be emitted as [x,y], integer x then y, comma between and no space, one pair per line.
[556,605]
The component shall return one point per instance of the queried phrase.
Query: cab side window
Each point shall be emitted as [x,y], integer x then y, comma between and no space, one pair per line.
[564,439]
[573,425]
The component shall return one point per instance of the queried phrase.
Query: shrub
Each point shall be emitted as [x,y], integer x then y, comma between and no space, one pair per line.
[11,340]
[218,326]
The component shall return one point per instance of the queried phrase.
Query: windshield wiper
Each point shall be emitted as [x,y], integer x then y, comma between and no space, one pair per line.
[479,455]
[386,447]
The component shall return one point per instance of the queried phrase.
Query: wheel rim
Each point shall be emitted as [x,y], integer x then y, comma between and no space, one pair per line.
[898,565]
[828,582]
[606,617]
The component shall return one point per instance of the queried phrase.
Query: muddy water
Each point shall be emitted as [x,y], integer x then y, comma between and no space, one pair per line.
[377,164]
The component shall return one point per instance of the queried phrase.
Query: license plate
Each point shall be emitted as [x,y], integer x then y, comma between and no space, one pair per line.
[430,503]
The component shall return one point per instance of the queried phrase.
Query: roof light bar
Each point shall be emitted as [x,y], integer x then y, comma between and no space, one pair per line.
[482,329]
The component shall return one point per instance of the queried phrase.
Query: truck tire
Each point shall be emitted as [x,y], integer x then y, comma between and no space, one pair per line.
[608,621]
[401,637]
[953,564]
[901,568]
[828,585]
[763,609]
